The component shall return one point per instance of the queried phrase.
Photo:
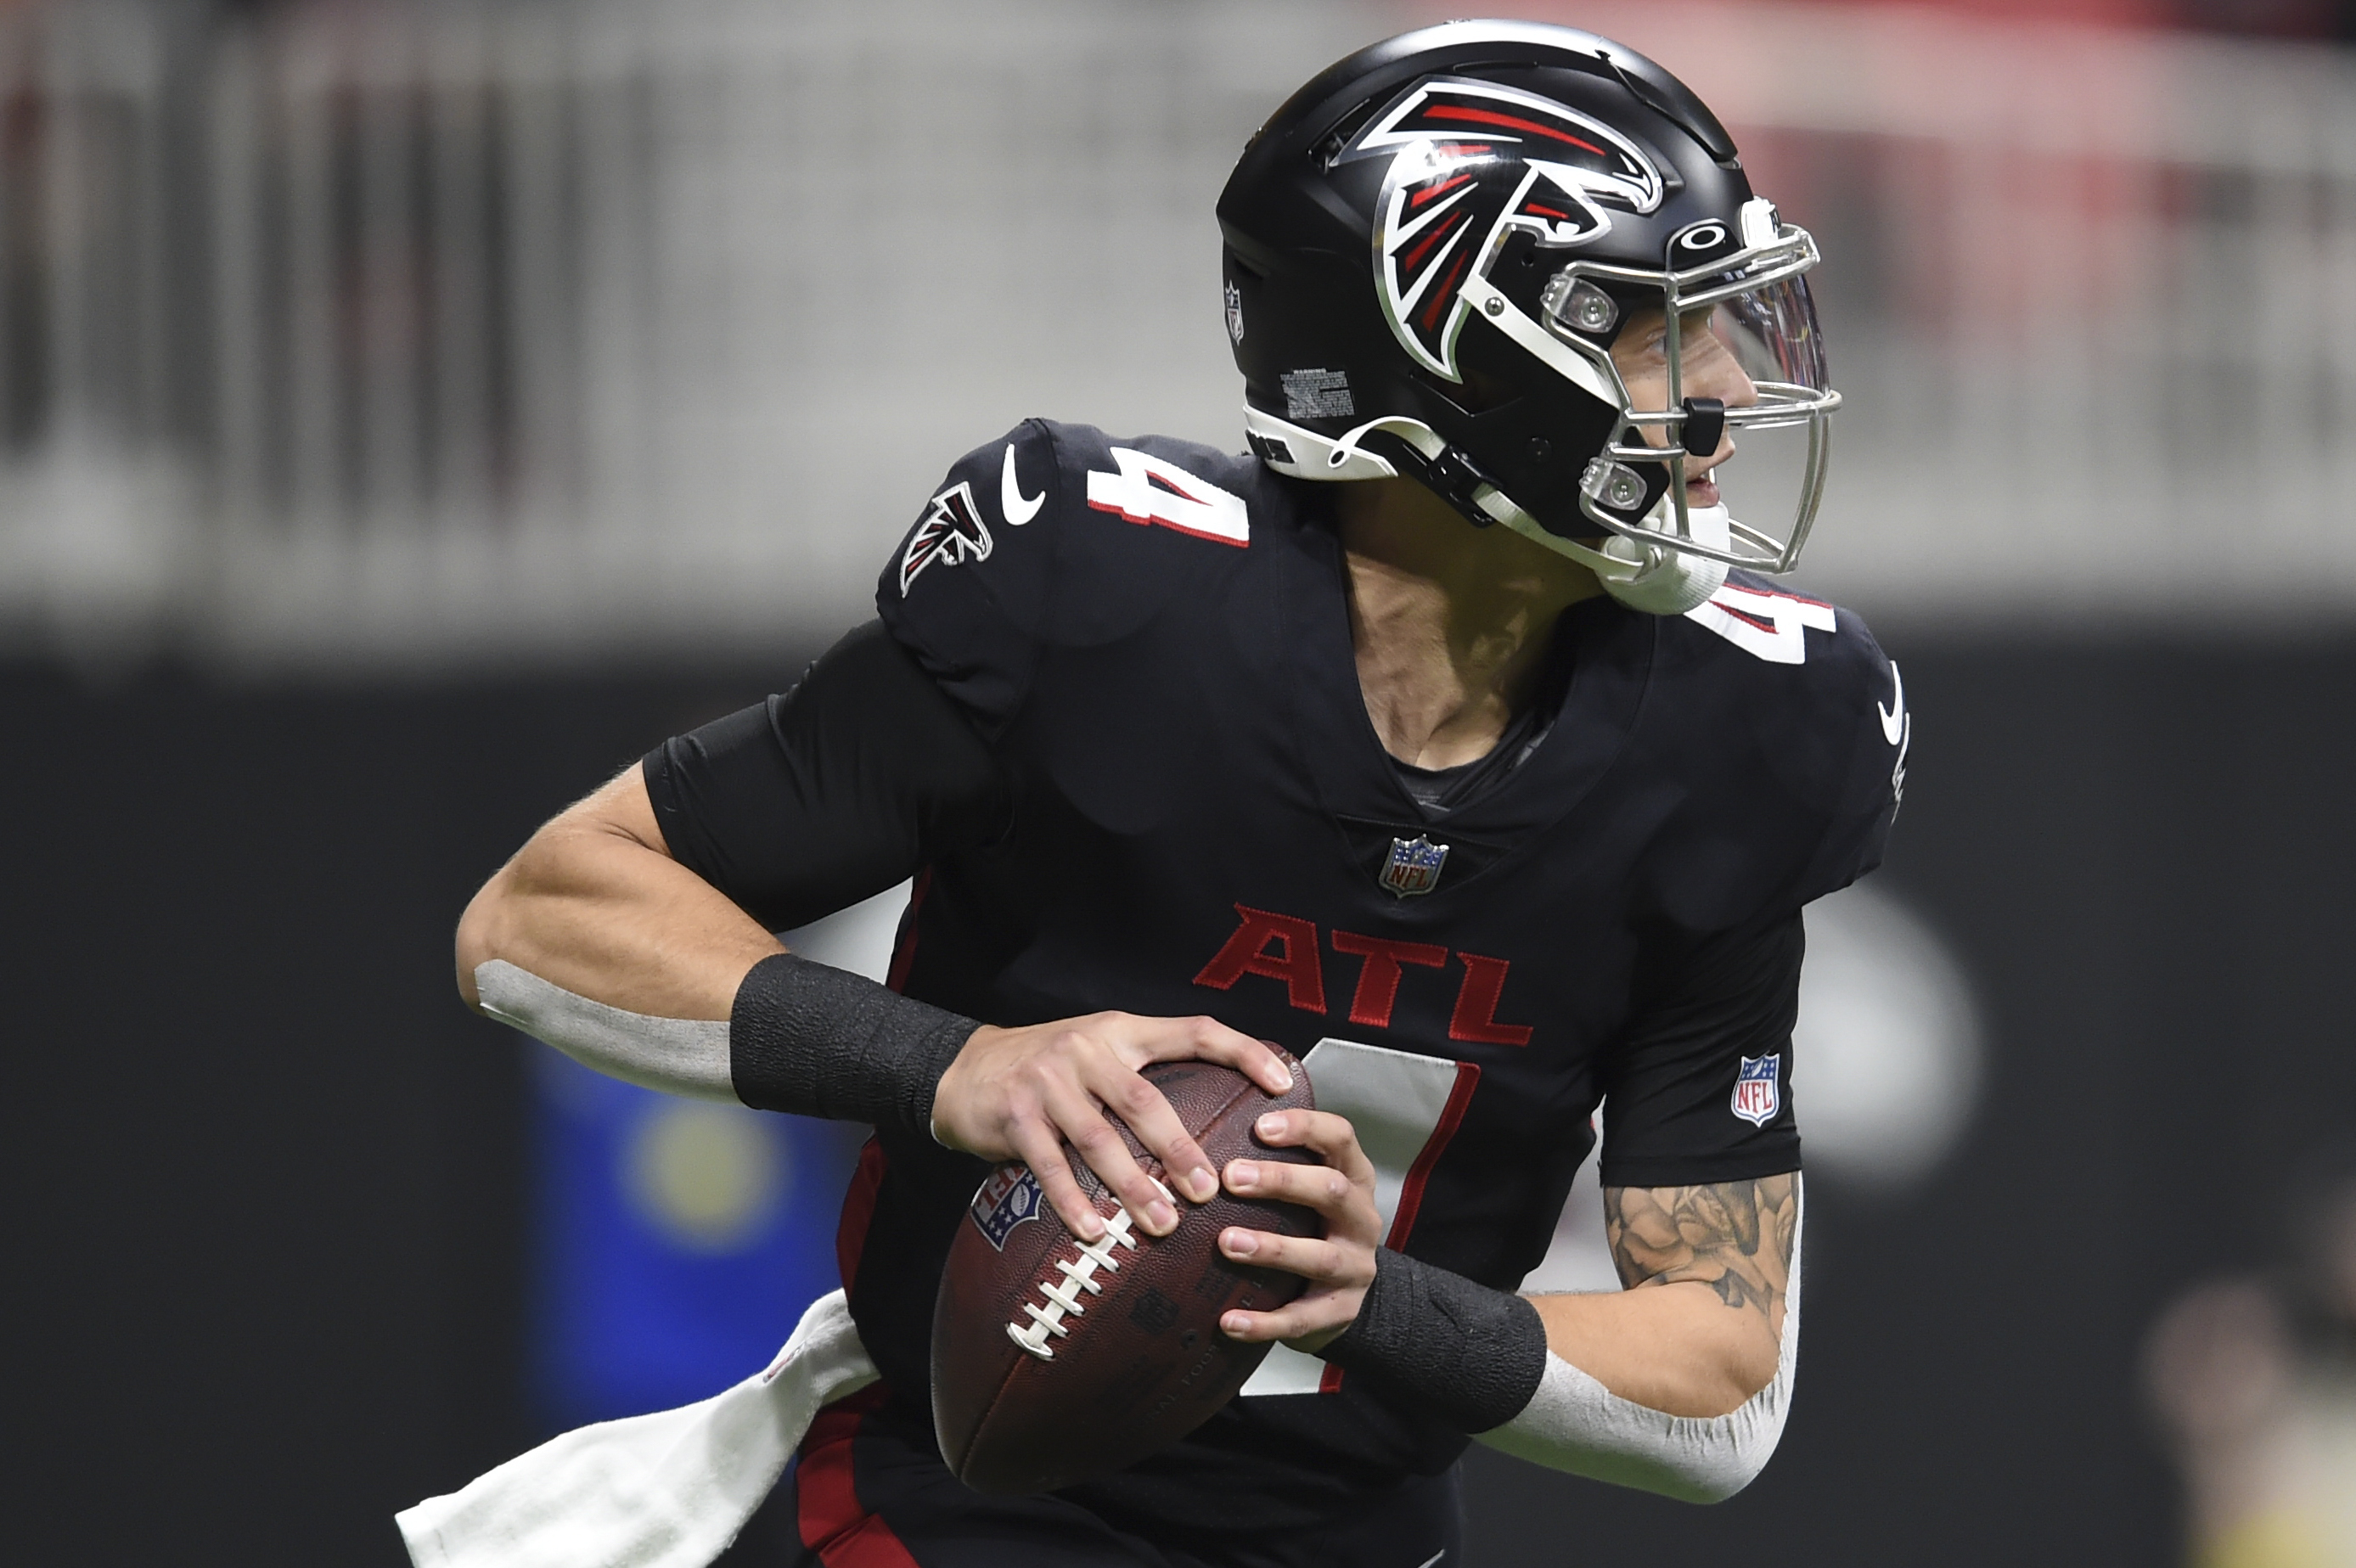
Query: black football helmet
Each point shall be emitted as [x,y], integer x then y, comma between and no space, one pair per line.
[1429,251]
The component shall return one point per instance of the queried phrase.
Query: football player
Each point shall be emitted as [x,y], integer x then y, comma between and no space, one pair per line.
[1431,739]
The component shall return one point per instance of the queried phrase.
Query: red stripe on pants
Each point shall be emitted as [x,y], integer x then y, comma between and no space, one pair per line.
[858,1212]
[829,1515]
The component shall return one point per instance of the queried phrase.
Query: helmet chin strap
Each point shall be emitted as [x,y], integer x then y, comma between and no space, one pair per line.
[1656,579]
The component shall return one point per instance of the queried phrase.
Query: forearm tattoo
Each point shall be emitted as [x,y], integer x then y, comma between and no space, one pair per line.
[1735,1237]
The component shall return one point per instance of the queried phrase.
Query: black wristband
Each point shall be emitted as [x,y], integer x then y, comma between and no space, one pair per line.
[1471,1355]
[821,1041]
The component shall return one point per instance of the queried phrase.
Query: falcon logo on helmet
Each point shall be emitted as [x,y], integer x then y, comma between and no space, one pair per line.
[1468,161]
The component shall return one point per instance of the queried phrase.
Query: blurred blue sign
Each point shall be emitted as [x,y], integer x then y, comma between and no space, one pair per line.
[678,1241]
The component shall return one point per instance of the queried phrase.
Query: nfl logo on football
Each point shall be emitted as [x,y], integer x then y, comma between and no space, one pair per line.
[1758,1093]
[1413,867]
[1009,1196]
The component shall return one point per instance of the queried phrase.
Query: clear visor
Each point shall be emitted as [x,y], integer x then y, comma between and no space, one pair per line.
[1773,335]
[1755,351]
[1771,460]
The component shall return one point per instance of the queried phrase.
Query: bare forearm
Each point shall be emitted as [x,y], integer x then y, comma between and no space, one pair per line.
[1671,1347]
[1699,1329]
[593,903]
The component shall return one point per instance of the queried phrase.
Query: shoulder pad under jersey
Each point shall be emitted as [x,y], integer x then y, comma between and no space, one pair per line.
[1803,712]
[1057,535]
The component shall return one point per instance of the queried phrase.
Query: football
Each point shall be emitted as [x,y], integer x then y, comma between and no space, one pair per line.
[1054,1361]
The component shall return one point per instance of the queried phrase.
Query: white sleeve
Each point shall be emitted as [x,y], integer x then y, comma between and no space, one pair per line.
[1573,1422]
[677,1056]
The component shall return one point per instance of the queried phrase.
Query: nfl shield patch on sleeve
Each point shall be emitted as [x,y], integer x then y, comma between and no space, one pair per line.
[1758,1089]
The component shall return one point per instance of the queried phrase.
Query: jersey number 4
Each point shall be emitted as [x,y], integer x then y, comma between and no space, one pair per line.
[1148,490]
[1771,626]
[1405,1108]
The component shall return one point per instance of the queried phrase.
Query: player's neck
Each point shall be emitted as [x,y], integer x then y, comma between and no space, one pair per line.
[1450,622]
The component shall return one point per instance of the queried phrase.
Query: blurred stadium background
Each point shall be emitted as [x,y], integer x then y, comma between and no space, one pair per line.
[410,413]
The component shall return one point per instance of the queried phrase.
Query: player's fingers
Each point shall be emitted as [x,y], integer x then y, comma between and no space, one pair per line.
[1208,1040]
[1144,1110]
[1082,1120]
[1347,1208]
[1330,1137]
[1320,1187]
[1310,1257]
[1317,1318]
[1043,1151]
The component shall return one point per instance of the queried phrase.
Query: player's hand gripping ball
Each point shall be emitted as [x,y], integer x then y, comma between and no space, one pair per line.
[1054,1362]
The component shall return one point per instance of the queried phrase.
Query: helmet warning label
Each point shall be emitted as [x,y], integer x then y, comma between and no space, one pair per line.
[1318,395]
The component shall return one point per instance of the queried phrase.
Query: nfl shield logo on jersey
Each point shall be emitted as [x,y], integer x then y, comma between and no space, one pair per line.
[1758,1091]
[1413,867]
[1009,1196]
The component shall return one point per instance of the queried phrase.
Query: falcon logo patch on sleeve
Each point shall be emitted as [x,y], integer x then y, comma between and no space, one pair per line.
[1759,1089]
[952,533]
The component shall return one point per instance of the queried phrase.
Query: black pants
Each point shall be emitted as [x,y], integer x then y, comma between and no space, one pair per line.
[865,1494]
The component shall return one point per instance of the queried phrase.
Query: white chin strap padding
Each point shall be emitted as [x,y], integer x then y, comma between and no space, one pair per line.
[1656,579]
[1668,581]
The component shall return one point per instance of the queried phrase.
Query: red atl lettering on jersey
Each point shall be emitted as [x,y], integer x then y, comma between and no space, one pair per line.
[1379,978]
[1285,947]
[1294,962]
[1475,1017]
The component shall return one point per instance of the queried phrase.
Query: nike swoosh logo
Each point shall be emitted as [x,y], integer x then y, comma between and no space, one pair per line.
[1018,507]
[1893,717]
[1434,1558]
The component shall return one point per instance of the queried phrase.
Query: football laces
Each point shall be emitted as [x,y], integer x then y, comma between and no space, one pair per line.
[1060,1300]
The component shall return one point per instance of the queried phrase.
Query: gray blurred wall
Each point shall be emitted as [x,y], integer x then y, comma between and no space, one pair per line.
[406,335]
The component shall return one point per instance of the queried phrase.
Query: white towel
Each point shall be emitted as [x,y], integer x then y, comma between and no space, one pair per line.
[667,1490]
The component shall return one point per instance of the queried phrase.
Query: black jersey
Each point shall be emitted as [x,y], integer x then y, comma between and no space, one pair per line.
[1191,813]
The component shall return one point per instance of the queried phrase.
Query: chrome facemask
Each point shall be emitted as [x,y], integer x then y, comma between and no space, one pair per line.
[1669,556]
[1763,312]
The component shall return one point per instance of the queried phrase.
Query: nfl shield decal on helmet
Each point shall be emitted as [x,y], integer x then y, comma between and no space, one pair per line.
[1759,1090]
[1009,1197]
[1413,867]
[1234,314]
